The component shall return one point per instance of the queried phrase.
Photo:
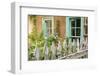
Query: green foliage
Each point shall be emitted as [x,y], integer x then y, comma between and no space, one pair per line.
[33,38]
[38,38]
[51,39]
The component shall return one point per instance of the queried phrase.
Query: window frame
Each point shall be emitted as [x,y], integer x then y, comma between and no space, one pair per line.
[75,36]
[44,24]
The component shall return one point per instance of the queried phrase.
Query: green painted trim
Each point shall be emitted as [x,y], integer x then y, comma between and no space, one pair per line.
[68,27]
[82,28]
[44,28]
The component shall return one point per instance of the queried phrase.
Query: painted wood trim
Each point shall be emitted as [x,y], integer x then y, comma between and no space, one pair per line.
[82,29]
[44,28]
[68,28]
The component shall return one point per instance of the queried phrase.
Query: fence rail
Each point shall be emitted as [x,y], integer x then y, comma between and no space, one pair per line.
[77,55]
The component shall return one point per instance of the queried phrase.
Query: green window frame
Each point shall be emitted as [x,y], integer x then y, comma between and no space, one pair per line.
[74,28]
[47,25]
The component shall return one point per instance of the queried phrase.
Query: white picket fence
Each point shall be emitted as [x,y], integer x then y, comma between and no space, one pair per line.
[73,49]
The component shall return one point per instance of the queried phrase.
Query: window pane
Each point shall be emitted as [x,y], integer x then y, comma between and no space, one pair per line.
[78,22]
[78,32]
[72,20]
[73,32]
[73,23]
[49,26]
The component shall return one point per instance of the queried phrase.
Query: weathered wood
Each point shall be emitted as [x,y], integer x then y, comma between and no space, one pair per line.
[59,49]
[77,55]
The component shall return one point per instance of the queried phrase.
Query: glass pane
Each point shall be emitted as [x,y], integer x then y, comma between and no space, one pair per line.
[78,22]
[78,32]
[73,32]
[72,20]
[49,26]
[73,23]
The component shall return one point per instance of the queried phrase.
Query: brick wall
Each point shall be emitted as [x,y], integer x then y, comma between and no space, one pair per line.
[39,23]
[60,24]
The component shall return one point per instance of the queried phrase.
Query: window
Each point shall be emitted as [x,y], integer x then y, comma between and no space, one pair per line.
[75,23]
[49,25]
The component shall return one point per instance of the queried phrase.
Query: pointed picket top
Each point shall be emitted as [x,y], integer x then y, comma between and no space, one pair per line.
[37,52]
[74,45]
[46,51]
[59,49]
[53,50]
[65,44]
[59,46]
[69,46]
[81,45]
[78,49]
[53,47]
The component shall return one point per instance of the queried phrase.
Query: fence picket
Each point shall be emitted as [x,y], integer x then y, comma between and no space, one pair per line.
[61,49]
